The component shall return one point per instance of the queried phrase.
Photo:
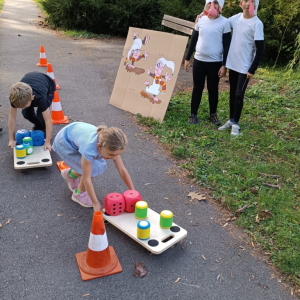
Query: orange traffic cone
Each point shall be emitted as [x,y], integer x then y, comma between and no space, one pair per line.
[57,115]
[43,59]
[100,259]
[51,74]
[62,166]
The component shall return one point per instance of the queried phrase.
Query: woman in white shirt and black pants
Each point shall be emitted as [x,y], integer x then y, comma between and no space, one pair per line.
[211,40]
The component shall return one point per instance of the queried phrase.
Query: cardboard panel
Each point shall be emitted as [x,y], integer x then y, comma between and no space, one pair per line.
[148,72]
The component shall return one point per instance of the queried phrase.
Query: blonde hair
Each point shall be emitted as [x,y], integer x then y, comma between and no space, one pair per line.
[112,138]
[20,94]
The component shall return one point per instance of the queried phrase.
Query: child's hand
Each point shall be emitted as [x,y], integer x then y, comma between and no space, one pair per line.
[47,146]
[187,65]
[12,144]
[98,207]
[249,75]
[222,72]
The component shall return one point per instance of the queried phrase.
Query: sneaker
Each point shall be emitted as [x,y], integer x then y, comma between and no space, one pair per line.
[193,120]
[214,119]
[72,182]
[235,129]
[82,198]
[228,124]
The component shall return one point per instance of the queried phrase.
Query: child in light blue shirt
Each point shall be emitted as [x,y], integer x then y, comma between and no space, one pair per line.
[85,149]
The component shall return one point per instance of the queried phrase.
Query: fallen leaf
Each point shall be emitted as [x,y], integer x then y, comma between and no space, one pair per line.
[217,261]
[296,222]
[194,195]
[85,295]
[0,225]
[36,236]
[231,275]
[241,247]
[266,213]
[148,183]
[140,270]
[254,191]
[189,214]
[59,215]
[203,257]
[252,244]
[177,280]
[25,196]
[73,218]
[241,209]
[21,222]
[252,277]
[225,224]
[257,219]
[166,198]
[8,221]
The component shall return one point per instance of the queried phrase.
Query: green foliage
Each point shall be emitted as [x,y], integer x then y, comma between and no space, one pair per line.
[111,17]
[234,168]
[1,4]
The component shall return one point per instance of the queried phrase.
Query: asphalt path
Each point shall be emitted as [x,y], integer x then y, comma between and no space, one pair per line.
[47,229]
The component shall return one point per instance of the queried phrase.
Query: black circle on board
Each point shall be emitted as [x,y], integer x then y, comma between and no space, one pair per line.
[21,162]
[153,243]
[175,229]
[45,160]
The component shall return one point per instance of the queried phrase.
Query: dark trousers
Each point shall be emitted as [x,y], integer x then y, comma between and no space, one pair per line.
[238,84]
[34,117]
[209,70]
[37,117]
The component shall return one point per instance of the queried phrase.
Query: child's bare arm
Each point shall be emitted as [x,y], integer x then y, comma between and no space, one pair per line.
[123,172]
[11,126]
[47,117]
[86,167]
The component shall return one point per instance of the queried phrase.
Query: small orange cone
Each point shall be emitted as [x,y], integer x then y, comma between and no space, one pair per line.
[100,259]
[43,59]
[62,166]
[51,74]
[57,115]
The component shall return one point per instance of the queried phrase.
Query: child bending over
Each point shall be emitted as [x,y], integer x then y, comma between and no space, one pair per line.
[85,149]
[34,90]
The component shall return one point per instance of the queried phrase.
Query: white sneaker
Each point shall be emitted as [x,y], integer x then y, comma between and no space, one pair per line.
[235,129]
[228,124]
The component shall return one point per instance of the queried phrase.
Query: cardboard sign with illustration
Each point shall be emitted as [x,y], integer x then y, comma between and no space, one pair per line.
[148,72]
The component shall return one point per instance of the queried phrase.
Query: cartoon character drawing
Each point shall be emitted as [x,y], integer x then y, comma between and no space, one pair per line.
[134,54]
[158,86]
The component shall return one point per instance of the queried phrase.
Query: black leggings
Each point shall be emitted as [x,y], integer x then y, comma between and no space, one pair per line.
[238,84]
[202,69]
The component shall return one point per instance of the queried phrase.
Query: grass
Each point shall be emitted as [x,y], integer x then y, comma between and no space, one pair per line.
[235,168]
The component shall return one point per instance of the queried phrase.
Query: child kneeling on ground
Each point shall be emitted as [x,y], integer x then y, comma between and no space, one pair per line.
[85,149]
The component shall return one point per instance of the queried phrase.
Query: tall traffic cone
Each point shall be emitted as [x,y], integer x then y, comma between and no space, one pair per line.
[57,115]
[62,165]
[100,259]
[43,59]
[51,74]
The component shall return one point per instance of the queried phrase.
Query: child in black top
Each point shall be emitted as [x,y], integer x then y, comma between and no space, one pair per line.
[34,90]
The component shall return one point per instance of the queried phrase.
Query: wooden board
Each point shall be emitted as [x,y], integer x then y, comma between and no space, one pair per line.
[177,27]
[127,223]
[39,158]
[182,22]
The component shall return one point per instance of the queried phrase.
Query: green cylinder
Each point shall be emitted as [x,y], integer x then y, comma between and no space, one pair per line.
[29,150]
[166,219]
[141,209]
